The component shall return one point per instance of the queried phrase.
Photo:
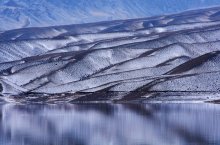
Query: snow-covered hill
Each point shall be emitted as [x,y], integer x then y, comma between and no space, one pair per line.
[174,57]
[40,13]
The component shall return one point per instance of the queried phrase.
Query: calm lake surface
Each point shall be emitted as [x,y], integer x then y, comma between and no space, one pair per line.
[109,124]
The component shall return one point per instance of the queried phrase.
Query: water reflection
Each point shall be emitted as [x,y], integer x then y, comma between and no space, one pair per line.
[99,124]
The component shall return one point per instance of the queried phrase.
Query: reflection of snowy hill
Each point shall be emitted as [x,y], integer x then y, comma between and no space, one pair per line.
[26,13]
[177,53]
[134,124]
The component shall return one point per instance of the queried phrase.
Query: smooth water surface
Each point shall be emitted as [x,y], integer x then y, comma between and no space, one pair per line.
[106,124]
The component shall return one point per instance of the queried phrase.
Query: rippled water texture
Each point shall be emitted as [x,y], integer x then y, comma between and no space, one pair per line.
[105,124]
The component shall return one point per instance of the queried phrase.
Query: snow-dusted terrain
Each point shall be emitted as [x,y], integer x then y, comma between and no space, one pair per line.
[164,58]
[39,13]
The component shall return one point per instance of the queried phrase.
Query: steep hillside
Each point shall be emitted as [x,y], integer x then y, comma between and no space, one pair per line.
[164,58]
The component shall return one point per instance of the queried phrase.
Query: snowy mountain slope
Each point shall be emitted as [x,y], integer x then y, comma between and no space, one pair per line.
[154,59]
[40,13]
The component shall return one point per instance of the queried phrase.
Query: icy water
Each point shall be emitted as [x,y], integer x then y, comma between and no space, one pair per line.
[110,124]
